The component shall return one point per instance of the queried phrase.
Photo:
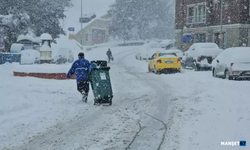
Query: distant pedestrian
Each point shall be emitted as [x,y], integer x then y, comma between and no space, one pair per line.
[109,54]
[81,68]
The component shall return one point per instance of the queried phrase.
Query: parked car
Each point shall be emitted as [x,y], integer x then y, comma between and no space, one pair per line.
[163,62]
[30,56]
[178,52]
[232,63]
[145,53]
[64,55]
[16,48]
[200,56]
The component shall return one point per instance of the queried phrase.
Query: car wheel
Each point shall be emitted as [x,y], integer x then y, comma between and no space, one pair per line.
[194,65]
[227,75]
[155,71]
[197,68]
[149,69]
[214,73]
[183,66]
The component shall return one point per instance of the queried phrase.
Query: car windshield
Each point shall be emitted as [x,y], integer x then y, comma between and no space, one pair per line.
[112,74]
[166,54]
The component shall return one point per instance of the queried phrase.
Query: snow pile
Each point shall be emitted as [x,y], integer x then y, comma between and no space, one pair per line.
[29,56]
[10,20]
[6,19]
[198,114]
[46,36]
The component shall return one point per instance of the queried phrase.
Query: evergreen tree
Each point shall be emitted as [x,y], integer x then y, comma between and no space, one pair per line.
[143,19]
[37,16]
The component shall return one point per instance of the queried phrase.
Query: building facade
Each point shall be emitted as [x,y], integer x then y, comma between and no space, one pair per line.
[201,20]
[96,32]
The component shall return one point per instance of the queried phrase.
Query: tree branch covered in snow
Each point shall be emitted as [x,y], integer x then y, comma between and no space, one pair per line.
[36,16]
[140,19]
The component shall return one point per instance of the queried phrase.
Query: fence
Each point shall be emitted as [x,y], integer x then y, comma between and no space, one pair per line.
[8,57]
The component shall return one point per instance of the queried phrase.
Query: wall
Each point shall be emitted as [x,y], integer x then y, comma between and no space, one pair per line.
[98,24]
[57,76]
[236,12]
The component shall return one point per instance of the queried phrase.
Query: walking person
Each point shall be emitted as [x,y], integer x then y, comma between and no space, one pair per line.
[109,54]
[81,68]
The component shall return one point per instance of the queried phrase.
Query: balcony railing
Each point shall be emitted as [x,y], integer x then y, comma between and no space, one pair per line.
[199,19]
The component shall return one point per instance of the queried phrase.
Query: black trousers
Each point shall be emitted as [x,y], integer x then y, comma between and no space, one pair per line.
[109,57]
[83,87]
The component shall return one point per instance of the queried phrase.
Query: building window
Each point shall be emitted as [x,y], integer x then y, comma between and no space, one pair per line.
[196,13]
[201,15]
[200,38]
[191,14]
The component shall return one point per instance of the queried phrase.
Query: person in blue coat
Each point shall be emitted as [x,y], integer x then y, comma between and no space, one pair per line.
[81,68]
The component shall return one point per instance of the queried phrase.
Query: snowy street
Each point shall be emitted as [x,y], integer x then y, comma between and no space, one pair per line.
[187,110]
[45,44]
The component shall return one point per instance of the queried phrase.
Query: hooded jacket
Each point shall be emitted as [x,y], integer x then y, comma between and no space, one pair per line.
[81,68]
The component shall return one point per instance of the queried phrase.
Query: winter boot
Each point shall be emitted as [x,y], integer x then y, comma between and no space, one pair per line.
[84,97]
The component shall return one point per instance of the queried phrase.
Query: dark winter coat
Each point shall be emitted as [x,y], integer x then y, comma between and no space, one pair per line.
[109,53]
[81,68]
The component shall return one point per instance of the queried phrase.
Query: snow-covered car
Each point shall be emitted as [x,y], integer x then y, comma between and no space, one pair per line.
[64,55]
[16,48]
[178,52]
[144,53]
[200,56]
[149,52]
[29,57]
[164,44]
[232,63]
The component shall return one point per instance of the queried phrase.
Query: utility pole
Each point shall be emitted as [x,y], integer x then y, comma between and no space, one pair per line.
[81,23]
[182,24]
[221,36]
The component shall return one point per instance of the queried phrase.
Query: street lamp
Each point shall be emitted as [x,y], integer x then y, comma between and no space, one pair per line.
[221,37]
[81,22]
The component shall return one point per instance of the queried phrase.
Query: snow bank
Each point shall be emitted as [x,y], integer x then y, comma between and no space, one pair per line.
[29,56]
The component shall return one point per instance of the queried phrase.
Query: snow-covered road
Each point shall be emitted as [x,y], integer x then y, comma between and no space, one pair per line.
[190,110]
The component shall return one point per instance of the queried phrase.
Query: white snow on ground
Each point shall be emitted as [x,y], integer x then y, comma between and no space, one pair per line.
[200,111]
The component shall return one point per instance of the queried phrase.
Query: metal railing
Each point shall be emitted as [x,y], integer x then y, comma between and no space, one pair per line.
[194,19]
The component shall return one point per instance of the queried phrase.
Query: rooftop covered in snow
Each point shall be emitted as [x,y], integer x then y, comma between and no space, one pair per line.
[46,36]
[29,37]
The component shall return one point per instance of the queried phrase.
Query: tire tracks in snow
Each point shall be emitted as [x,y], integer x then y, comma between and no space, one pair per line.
[60,135]
[157,90]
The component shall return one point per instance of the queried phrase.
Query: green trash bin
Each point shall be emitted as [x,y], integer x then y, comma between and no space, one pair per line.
[101,84]
[100,63]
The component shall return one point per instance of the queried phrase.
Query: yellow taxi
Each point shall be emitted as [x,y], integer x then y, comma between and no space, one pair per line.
[163,62]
